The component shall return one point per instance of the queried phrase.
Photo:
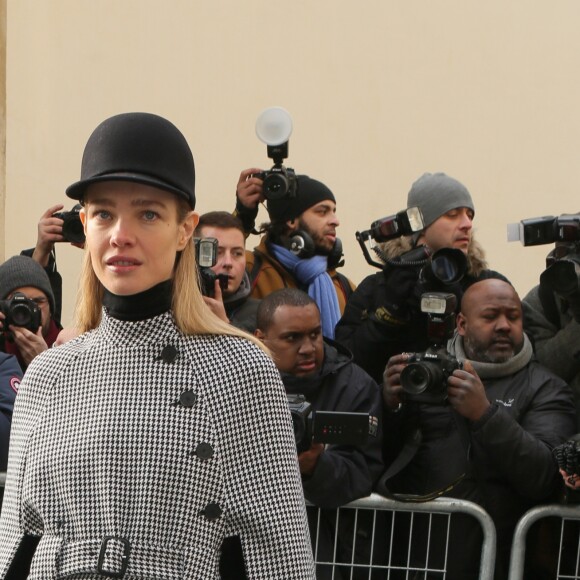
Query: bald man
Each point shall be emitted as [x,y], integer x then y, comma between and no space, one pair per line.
[493,433]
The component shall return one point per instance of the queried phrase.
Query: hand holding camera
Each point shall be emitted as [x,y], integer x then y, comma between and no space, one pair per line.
[466,393]
[249,191]
[392,388]
[216,303]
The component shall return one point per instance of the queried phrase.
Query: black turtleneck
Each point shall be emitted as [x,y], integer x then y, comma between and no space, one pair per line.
[140,306]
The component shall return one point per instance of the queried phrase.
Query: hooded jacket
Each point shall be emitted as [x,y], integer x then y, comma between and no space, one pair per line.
[371,339]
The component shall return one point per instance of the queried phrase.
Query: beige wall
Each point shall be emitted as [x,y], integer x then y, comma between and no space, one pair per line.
[380,91]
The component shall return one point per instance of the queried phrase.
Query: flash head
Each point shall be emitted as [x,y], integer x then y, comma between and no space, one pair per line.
[274,126]
[438,303]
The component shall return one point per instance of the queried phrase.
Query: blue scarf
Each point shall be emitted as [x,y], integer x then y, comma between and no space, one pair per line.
[312,272]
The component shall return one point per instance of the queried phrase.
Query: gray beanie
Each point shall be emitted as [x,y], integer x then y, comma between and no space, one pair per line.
[20,271]
[437,193]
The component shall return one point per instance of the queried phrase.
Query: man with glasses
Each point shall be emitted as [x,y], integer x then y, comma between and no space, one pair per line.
[22,276]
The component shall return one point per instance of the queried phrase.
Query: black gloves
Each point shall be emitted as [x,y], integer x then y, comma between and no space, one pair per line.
[401,293]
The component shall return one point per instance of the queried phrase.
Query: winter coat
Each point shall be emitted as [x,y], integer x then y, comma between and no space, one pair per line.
[556,340]
[268,275]
[505,457]
[343,473]
[10,377]
[372,339]
[135,446]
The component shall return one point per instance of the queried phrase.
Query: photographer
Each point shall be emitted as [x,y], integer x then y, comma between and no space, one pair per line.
[300,248]
[382,317]
[52,228]
[552,320]
[232,304]
[492,438]
[289,325]
[24,276]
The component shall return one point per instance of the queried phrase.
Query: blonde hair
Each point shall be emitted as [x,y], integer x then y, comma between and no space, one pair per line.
[191,314]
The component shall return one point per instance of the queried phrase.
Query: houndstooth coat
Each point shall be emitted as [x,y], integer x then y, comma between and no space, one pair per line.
[136,450]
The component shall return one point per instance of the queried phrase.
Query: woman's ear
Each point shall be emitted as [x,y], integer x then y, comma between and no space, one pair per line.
[83,218]
[186,229]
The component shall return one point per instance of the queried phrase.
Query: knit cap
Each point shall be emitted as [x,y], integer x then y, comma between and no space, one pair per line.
[437,193]
[20,271]
[309,192]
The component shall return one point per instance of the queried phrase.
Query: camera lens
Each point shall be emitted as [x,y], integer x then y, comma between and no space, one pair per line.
[275,186]
[416,378]
[21,315]
[448,265]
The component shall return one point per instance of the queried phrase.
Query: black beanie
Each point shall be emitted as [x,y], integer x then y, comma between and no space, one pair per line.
[309,192]
[20,271]
[138,147]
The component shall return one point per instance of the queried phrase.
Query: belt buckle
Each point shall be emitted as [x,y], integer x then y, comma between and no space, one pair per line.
[124,557]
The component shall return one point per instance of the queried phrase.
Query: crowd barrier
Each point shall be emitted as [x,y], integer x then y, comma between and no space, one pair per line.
[562,525]
[352,549]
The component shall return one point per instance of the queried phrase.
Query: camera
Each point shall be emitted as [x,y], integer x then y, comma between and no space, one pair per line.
[279,181]
[443,267]
[404,223]
[20,311]
[72,227]
[331,427]
[274,127]
[424,379]
[546,230]
[206,251]
[562,274]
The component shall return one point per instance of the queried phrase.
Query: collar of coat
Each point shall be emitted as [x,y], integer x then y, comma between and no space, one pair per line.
[475,253]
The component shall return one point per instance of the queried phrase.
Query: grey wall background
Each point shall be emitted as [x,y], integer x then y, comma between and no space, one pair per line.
[380,91]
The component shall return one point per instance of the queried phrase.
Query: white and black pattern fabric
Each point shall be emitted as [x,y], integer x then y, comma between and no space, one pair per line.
[137,449]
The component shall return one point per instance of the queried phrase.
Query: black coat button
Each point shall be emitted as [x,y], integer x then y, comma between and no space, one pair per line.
[212,511]
[168,354]
[204,451]
[187,399]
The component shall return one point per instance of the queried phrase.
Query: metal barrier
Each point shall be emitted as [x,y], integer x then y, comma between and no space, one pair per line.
[340,553]
[566,563]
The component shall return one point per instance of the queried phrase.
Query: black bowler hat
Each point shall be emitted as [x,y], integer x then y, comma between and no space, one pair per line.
[138,147]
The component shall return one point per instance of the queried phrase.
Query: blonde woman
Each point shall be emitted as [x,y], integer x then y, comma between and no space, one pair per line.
[158,432]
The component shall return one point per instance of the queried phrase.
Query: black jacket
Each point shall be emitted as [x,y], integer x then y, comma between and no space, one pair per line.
[506,456]
[343,473]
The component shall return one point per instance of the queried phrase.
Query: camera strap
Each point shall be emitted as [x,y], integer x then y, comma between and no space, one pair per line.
[411,446]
